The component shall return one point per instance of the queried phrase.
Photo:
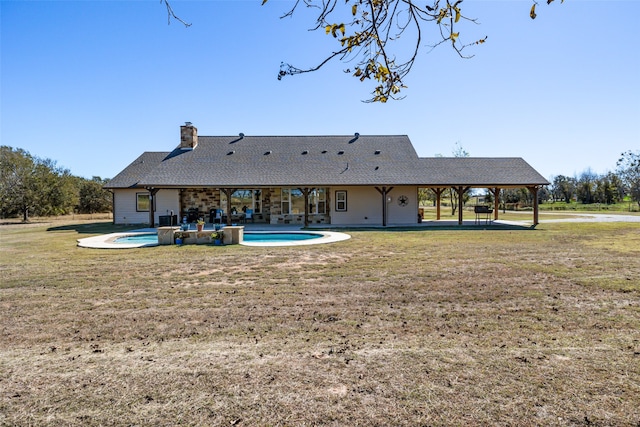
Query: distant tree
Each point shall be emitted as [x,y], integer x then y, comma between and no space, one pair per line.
[563,188]
[93,198]
[425,196]
[586,186]
[628,167]
[33,186]
[18,182]
[57,190]
[517,196]
[451,193]
[382,38]
[608,189]
[544,194]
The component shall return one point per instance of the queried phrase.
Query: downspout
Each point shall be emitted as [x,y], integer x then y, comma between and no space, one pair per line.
[113,206]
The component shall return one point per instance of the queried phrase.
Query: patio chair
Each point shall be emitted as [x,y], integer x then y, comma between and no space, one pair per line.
[215,216]
[192,215]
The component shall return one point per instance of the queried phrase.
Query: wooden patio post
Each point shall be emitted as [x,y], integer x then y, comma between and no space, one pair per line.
[496,201]
[438,192]
[305,192]
[152,212]
[228,192]
[460,190]
[384,191]
[534,193]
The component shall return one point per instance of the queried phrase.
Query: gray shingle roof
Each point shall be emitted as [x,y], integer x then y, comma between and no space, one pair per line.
[479,171]
[137,170]
[265,161]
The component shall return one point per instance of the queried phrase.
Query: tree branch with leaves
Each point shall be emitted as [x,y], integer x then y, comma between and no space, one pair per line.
[371,34]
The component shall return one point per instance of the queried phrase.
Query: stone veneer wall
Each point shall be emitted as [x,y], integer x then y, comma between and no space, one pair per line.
[204,199]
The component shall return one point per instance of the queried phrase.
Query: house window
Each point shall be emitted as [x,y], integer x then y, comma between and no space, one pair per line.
[142,202]
[318,201]
[293,201]
[244,199]
[341,201]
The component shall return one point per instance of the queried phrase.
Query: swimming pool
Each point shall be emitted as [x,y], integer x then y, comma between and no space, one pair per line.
[262,237]
[149,237]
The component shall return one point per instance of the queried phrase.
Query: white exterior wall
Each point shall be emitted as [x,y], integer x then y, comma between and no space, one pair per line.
[167,201]
[397,214]
[124,209]
[364,206]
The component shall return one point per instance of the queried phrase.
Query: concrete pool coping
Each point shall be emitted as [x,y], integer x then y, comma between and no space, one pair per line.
[107,241]
[327,237]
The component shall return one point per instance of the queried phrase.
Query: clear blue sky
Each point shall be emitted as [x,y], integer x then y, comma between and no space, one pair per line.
[93,84]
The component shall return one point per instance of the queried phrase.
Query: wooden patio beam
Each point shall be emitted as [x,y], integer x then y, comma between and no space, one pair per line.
[384,191]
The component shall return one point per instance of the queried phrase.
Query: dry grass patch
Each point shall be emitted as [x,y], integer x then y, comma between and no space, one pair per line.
[435,327]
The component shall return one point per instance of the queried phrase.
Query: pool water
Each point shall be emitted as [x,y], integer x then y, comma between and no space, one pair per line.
[138,238]
[279,237]
[265,237]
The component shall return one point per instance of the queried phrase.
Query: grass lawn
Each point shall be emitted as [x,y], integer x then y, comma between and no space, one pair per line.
[407,328]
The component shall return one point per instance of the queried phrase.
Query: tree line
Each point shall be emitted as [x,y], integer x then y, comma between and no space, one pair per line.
[30,185]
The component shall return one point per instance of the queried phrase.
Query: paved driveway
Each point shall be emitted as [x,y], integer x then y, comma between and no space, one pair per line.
[579,217]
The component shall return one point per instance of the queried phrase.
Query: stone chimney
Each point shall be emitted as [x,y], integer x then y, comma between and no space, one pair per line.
[188,136]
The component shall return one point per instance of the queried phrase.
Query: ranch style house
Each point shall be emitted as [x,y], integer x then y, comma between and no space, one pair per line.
[340,180]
